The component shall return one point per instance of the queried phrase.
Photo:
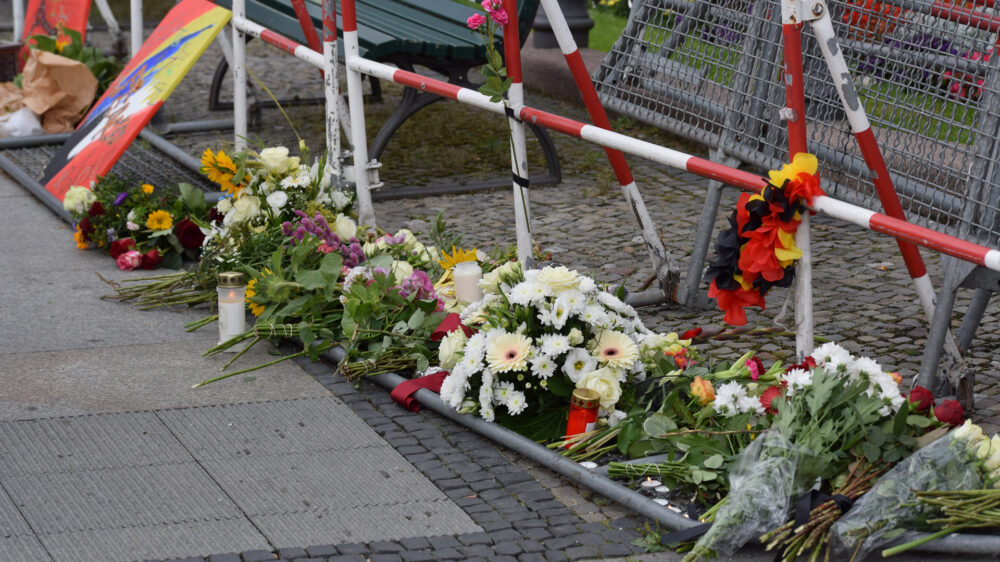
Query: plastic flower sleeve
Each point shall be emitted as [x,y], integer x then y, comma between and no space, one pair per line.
[891,508]
[761,483]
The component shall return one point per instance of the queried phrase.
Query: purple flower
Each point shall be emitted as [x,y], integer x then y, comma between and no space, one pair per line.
[121,197]
[392,240]
[112,235]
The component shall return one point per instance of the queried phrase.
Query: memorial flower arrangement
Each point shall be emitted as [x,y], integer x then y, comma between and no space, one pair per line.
[540,334]
[139,226]
[758,251]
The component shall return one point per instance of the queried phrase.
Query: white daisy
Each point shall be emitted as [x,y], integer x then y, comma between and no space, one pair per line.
[476,346]
[543,367]
[593,315]
[573,300]
[515,402]
[750,404]
[578,362]
[503,391]
[521,294]
[554,344]
[797,379]
[727,398]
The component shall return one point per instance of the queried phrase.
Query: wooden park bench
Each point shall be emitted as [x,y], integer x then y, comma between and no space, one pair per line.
[432,34]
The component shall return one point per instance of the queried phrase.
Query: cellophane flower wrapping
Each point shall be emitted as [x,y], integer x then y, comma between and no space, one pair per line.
[762,483]
[891,508]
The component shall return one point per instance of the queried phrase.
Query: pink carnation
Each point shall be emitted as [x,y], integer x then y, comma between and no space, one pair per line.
[129,260]
[490,5]
[499,16]
[476,20]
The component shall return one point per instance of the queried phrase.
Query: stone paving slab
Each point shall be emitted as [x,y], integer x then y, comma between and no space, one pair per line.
[143,543]
[86,443]
[140,376]
[12,524]
[118,498]
[365,524]
[23,549]
[273,484]
[271,428]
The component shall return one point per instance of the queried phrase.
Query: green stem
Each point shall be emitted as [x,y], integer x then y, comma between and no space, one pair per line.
[240,354]
[915,543]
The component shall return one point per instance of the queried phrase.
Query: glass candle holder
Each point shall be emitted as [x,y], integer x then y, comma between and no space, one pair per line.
[232,306]
[466,276]
[583,407]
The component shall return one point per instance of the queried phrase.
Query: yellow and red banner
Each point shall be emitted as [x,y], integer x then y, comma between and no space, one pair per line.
[138,93]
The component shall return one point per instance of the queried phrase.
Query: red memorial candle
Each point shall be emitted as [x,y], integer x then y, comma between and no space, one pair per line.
[582,412]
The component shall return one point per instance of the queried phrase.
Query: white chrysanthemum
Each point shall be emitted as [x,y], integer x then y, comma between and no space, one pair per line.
[539,291]
[727,398]
[554,344]
[833,357]
[578,363]
[560,314]
[797,379]
[300,179]
[508,352]
[502,392]
[864,366]
[614,303]
[515,402]
[521,294]
[750,404]
[586,284]
[573,300]
[545,315]
[470,364]
[487,413]
[451,345]
[615,349]
[486,390]
[543,367]
[475,348]
[593,315]
[453,391]
[339,199]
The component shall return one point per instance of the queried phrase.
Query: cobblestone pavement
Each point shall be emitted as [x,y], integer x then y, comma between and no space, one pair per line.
[863,300]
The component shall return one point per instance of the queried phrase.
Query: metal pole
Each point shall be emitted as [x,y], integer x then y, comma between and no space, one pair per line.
[239,77]
[109,19]
[518,146]
[135,30]
[795,115]
[355,100]
[331,88]
[18,20]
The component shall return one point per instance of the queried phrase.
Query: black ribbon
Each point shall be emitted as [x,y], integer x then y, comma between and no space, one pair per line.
[685,535]
[813,499]
[523,182]
[510,113]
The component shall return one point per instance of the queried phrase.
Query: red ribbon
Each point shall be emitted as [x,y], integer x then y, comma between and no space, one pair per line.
[403,393]
[450,323]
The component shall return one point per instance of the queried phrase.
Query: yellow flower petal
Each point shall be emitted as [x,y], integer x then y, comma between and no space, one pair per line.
[790,252]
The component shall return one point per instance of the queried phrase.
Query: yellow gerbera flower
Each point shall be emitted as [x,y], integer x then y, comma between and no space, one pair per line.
[159,220]
[147,189]
[458,255]
[81,242]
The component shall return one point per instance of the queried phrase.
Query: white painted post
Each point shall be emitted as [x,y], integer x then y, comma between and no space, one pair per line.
[804,324]
[135,32]
[239,76]
[355,101]
[331,88]
[519,167]
[18,20]
[109,19]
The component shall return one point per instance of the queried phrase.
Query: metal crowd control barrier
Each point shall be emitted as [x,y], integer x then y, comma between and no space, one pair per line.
[924,72]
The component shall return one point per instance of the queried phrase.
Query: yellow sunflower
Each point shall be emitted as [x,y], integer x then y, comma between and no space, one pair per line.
[147,189]
[458,255]
[220,168]
[251,291]
[159,220]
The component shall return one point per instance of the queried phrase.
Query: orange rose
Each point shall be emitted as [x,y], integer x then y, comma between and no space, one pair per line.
[702,390]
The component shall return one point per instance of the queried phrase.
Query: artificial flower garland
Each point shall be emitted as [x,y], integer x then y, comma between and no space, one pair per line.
[758,249]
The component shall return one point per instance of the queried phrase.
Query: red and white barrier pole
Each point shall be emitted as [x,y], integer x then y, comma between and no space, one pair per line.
[662,262]
[355,102]
[860,126]
[795,117]
[293,48]
[944,243]
[518,145]
[239,74]
[331,88]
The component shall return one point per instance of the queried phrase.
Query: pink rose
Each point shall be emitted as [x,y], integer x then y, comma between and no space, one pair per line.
[499,16]
[476,20]
[488,5]
[129,260]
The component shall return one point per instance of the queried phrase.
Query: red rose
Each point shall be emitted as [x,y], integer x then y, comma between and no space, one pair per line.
[949,412]
[215,216]
[806,365]
[188,233]
[96,209]
[151,259]
[921,399]
[768,396]
[119,247]
[86,228]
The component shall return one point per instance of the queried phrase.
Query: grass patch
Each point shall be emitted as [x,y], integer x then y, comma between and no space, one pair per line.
[607,29]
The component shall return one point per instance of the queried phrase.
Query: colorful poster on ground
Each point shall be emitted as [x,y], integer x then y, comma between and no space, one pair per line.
[47,17]
[138,92]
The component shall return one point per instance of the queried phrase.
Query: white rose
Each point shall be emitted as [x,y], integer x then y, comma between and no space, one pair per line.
[451,344]
[277,200]
[370,249]
[409,239]
[605,382]
[993,461]
[401,270]
[344,228]
[559,279]
[276,159]
[224,205]
[575,336]
[244,208]
[78,199]
[490,283]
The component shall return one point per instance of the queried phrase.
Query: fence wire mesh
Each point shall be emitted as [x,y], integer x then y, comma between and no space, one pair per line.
[925,71]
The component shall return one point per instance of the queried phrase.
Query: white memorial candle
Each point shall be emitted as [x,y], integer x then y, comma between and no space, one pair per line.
[232,306]
[467,275]
[661,491]
[649,485]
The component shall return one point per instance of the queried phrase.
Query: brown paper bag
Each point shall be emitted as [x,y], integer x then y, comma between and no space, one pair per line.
[11,98]
[57,88]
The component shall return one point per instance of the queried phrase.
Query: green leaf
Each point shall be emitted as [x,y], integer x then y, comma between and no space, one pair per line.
[172,260]
[877,437]
[330,266]
[899,422]
[311,280]
[658,424]
[307,335]
[417,319]
[561,386]
[630,433]
[193,197]
[918,421]
[380,260]
[871,452]
[714,461]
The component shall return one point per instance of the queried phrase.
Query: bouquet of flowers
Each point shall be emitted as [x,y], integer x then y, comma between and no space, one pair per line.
[953,474]
[140,226]
[542,333]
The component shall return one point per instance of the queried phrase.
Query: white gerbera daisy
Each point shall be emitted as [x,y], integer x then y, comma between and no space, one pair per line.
[508,352]
[515,402]
[554,344]
[578,362]
[615,349]
[543,367]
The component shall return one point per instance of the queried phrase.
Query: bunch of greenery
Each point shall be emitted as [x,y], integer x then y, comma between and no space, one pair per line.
[104,68]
